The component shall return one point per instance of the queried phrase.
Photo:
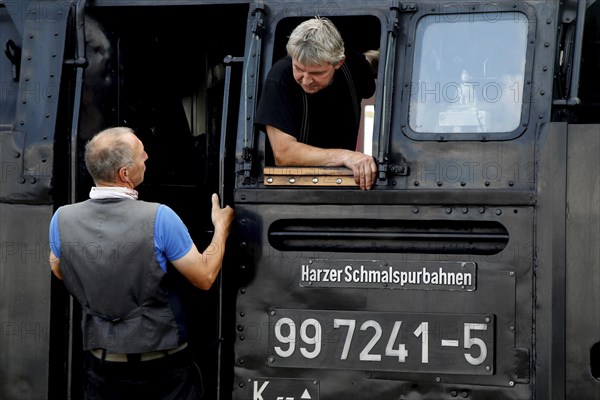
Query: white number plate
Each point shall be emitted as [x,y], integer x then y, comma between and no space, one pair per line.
[383,341]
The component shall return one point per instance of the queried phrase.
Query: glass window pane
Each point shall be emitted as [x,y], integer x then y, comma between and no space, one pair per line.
[468,73]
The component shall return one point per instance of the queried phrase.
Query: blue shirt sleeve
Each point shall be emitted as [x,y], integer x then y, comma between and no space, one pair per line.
[54,235]
[171,237]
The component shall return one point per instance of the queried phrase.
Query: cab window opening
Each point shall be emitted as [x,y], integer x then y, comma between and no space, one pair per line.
[362,35]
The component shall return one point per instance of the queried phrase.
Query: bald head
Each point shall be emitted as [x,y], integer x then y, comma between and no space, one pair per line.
[109,151]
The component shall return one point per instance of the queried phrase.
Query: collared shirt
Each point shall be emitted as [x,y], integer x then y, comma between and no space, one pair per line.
[113,192]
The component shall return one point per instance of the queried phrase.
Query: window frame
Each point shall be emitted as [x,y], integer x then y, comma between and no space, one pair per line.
[452,11]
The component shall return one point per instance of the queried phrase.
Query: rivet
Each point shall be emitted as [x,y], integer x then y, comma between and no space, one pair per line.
[315,180]
[292,180]
[338,181]
[270,179]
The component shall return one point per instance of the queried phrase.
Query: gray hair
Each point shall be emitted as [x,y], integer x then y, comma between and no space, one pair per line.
[316,41]
[106,152]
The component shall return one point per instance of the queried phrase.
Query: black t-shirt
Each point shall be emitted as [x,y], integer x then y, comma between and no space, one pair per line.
[333,112]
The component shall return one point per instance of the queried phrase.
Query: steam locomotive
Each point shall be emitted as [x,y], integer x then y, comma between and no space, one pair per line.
[470,270]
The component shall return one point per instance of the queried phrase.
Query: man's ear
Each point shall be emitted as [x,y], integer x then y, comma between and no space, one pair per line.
[122,174]
[340,63]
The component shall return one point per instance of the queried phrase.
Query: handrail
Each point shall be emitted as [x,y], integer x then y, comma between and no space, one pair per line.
[250,85]
[80,63]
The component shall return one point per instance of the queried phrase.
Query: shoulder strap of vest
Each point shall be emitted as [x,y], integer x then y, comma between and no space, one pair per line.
[355,102]
[305,121]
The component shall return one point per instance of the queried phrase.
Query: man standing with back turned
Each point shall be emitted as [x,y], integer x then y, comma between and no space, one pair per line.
[310,103]
[111,251]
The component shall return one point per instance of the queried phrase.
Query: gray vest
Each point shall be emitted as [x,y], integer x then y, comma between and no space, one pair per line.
[109,265]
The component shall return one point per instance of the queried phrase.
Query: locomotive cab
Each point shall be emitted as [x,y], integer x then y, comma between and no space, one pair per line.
[469,270]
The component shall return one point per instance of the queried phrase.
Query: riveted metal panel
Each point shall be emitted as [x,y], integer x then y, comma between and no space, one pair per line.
[582,276]
[271,284]
[24,301]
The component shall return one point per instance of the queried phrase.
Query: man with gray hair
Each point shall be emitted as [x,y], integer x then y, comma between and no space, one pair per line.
[112,251]
[311,100]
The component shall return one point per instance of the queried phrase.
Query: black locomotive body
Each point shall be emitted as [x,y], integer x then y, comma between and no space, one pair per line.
[470,270]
